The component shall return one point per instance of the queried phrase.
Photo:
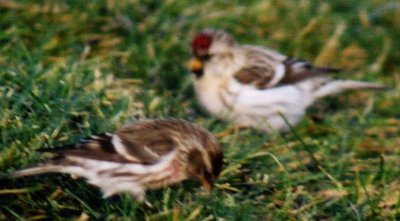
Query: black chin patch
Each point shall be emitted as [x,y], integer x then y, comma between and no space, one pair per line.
[198,73]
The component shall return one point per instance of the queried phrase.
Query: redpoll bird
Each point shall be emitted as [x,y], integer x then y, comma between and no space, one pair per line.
[255,86]
[146,155]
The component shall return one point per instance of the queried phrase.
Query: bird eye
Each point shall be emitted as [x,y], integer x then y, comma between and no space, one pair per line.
[205,57]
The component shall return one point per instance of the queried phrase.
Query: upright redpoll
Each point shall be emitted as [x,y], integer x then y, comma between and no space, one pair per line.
[255,86]
[146,155]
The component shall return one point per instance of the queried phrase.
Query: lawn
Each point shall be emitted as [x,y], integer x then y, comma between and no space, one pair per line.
[69,69]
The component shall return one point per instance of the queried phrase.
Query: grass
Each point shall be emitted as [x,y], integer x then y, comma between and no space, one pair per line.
[69,69]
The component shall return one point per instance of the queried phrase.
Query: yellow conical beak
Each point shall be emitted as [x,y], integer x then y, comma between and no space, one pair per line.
[195,65]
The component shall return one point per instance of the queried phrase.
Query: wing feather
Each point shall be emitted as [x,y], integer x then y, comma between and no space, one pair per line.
[267,68]
[143,142]
[263,69]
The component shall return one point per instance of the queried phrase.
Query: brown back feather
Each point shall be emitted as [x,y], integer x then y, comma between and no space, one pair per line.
[146,141]
[260,67]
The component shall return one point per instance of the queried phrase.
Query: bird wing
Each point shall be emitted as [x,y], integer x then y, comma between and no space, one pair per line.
[145,142]
[142,143]
[298,70]
[266,68]
[263,67]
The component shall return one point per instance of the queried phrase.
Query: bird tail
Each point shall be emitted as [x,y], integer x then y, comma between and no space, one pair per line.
[325,70]
[338,86]
[36,171]
[299,70]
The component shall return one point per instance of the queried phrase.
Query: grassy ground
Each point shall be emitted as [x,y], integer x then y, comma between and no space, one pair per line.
[74,68]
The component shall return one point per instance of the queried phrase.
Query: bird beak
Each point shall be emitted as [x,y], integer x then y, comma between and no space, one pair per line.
[195,65]
[207,185]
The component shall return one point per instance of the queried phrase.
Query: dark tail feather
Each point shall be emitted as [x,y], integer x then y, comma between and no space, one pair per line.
[299,70]
[297,66]
[325,70]
[36,171]
[57,163]
[104,141]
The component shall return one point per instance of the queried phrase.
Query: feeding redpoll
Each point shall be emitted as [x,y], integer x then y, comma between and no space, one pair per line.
[255,86]
[146,155]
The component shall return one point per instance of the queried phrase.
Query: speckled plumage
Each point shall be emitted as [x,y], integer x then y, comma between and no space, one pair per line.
[148,154]
[257,87]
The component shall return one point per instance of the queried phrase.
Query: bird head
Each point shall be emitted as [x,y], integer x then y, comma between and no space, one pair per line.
[207,44]
[205,166]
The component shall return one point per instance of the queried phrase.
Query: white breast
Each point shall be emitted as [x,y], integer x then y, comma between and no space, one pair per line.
[208,87]
[207,94]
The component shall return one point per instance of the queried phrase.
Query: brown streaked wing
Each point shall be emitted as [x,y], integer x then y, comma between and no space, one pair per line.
[61,156]
[260,67]
[144,142]
[98,147]
[147,141]
[256,75]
